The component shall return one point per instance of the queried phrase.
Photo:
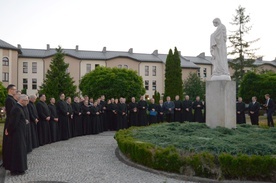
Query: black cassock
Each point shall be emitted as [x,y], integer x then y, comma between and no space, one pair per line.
[95,112]
[187,107]
[142,113]
[153,111]
[17,140]
[240,106]
[177,111]
[53,123]
[28,135]
[104,115]
[112,107]
[122,116]
[33,116]
[99,106]
[9,103]
[133,113]
[161,112]
[43,126]
[63,122]
[86,120]
[70,120]
[198,106]
[77,119]
[255,116]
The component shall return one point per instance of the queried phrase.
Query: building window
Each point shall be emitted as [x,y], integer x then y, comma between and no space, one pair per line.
[154,85]
[5,61]
[198,72]
[146,70]
[153,70]
[34,67]
[5,77]
[25,83]
[34,83]
[147,84]
[205,72]
[97,65]
[25,67]
[88,68]
[120,66]
[126,66]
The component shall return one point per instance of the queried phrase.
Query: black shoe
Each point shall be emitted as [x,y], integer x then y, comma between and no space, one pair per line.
[14,173]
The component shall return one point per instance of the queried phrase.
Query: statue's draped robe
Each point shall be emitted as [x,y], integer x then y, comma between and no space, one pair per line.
[219,51]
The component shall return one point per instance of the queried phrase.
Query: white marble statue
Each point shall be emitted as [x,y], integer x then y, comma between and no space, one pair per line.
[219,52]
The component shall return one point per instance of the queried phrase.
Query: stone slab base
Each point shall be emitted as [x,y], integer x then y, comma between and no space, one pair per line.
[221,103]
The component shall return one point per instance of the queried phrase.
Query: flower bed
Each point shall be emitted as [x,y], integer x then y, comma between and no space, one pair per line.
[193,149]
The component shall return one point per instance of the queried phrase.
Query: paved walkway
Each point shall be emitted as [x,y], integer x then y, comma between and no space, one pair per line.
[84,159]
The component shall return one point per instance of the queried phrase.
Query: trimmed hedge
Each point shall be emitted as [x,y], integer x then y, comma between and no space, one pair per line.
[201,164]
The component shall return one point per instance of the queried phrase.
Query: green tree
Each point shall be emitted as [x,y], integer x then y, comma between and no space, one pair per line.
[193,86]
[173,75]
[112,82]
[58,80]
[156,97]
[244,55]
[258,85]
[3,94]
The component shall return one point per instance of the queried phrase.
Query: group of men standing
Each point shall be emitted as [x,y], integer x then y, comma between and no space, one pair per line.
[177,110]
[31,123]
[253,110]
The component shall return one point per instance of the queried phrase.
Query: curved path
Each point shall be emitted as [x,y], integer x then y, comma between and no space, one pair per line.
[84,159]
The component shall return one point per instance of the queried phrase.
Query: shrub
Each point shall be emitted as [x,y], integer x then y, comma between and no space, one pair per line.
[217,160]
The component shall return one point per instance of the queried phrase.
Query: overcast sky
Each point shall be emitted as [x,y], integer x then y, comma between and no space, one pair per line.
[144,25]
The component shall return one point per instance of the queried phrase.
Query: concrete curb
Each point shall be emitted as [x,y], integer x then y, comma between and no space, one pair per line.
[128,162]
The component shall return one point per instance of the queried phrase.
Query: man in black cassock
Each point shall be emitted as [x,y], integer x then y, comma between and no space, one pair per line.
[133,112]
[177,109]
[53,120]
[240,107]
[77,117]
[9,103]
[86,118]
[270,108]
[70,116]
[104,113]
[95,114]
[43,126]
[16,130]
[28,134]
[152,112]
[33,120]
[187,107]
[112,107]
[253,110]
[122,114]
[160,110]
[142,112]
[100,107]
[62,110]
[198,106]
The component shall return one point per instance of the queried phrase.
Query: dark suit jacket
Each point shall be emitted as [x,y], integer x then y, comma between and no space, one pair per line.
[255,108]
[271,105]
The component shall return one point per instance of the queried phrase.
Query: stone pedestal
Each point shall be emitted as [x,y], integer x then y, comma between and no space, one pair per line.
[221,104]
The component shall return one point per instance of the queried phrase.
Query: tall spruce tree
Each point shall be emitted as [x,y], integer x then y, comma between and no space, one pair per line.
[244,55]
[173,75]
[58,80]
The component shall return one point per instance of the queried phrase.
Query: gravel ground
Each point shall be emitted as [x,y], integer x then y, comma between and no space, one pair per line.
[84,159]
